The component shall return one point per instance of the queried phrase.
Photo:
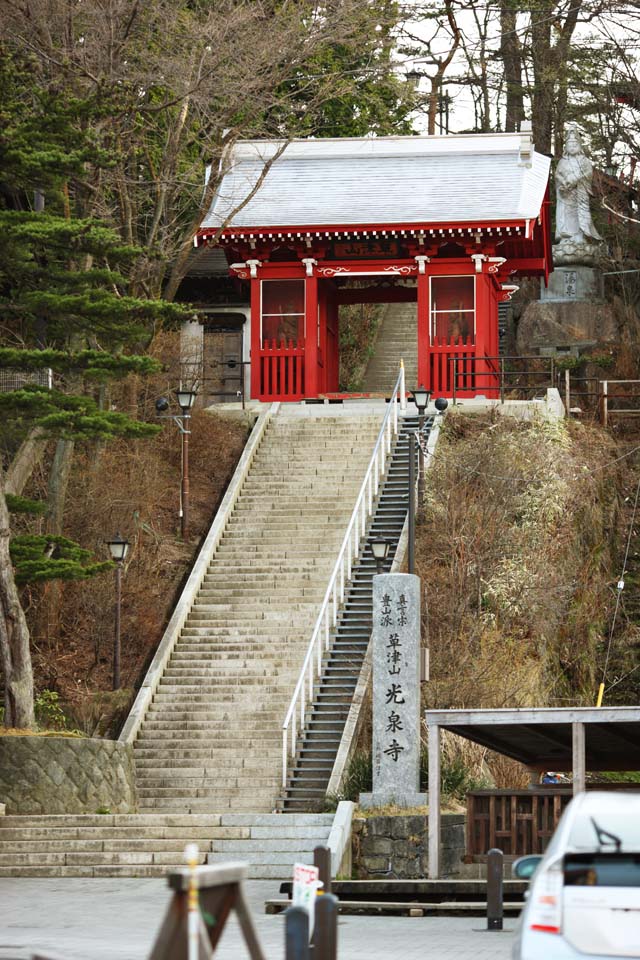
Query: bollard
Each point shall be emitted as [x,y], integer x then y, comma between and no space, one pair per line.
[296,934]
[325,934]
[494,889]
[322,860]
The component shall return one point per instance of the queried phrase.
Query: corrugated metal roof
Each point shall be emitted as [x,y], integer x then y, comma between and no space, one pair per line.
[386,180]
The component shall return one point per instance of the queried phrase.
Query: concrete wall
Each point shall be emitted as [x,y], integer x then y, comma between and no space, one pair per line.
[44,775]
[396,847]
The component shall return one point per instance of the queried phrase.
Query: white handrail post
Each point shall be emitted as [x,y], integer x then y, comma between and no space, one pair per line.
[284,757]
[403,389]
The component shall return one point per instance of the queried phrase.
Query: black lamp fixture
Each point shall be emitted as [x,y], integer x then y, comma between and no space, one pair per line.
[186,397]
[118,548]
[420,397]
[380,551]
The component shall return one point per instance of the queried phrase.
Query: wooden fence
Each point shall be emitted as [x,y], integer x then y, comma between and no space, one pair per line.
[518,822]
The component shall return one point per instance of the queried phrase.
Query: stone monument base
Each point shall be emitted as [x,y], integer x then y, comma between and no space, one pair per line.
[384,798]
[572,283]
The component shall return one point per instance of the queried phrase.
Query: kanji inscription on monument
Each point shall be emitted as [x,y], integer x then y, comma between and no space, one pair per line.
[396,692]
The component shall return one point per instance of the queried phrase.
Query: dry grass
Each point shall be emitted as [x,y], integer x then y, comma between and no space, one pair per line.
[514,549]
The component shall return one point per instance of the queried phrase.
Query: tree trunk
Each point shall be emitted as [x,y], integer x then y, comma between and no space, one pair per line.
[58,482]
[14,637]
[29,454]
[512,62]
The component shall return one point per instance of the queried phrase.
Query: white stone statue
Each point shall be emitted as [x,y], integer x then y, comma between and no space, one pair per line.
[577,240]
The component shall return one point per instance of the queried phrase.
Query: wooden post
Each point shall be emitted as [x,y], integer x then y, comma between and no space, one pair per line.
[322,860]
[567,391]
[325,935]
[578,752]
[434,801]
[605,403]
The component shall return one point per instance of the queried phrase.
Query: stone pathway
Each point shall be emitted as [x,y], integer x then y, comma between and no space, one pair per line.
[74,919]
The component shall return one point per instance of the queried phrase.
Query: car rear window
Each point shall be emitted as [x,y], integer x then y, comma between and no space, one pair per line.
[602,870]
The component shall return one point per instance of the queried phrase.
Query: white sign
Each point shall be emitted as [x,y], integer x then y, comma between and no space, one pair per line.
[305,887]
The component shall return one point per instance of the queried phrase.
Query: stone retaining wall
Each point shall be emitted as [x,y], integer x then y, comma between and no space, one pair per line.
[42,775]
[397,847]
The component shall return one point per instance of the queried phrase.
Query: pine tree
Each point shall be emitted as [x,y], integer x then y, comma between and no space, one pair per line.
[64,307]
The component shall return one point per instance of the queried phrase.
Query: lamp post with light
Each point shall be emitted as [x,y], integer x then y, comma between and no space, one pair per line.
[186,397]
[421,398]
[118,548]
[380,550]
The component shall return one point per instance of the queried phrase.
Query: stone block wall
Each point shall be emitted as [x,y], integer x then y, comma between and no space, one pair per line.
[396,847]
[44,775]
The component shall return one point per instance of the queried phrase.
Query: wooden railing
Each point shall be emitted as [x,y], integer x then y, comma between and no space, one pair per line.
[518,822]
[442,354]
[282,370]
[334,594]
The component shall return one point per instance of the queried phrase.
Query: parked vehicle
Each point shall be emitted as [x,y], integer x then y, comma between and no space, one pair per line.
[584,896]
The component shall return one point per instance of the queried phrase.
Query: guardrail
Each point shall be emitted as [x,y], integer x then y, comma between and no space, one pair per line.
[199,569]
[499,375]
[334,595]
[607,397]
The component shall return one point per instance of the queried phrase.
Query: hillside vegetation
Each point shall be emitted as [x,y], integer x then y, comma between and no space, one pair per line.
[516,549]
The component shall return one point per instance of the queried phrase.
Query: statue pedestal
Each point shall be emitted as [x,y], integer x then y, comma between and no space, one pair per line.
[571,315]
[572,284]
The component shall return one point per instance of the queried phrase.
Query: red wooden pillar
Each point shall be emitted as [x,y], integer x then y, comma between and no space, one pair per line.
[311,337]
[323,358]
[483,338]
[256,327]
[332,362]
[424,336]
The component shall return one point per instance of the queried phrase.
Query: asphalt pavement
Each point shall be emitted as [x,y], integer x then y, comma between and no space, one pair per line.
[104,919]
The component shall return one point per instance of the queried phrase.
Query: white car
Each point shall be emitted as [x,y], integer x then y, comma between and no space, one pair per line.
[584,896]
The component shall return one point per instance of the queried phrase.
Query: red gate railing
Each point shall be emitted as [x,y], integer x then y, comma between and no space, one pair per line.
[282,370]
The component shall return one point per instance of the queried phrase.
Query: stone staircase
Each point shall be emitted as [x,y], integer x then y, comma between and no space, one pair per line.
[208,752]
[311,770]
[149,845]
[397,340]
[211,739]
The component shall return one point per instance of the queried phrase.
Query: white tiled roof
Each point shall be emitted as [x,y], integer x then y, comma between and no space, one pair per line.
[385,180]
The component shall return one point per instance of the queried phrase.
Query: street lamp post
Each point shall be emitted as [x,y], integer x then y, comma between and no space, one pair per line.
[380,551]
[118,548]
[420,397]
[186,398]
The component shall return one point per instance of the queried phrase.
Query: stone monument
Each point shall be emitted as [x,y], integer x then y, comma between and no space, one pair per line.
[571,313]
[396,692]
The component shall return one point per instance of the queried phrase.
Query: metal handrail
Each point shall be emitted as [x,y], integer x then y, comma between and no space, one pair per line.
[335,592]
[497,369]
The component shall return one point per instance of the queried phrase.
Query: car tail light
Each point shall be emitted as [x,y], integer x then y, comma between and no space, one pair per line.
[545,913]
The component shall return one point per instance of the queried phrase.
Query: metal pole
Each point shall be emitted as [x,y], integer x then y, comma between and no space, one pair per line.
[296,934]
[502,380]
[494,889]
[412,502]
[605,403]
[184,518]
[421,420]
[116,639]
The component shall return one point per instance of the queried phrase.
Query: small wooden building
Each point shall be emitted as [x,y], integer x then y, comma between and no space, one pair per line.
[449,223]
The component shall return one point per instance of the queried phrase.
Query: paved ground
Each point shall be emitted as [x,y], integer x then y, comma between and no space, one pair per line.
[118,920]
